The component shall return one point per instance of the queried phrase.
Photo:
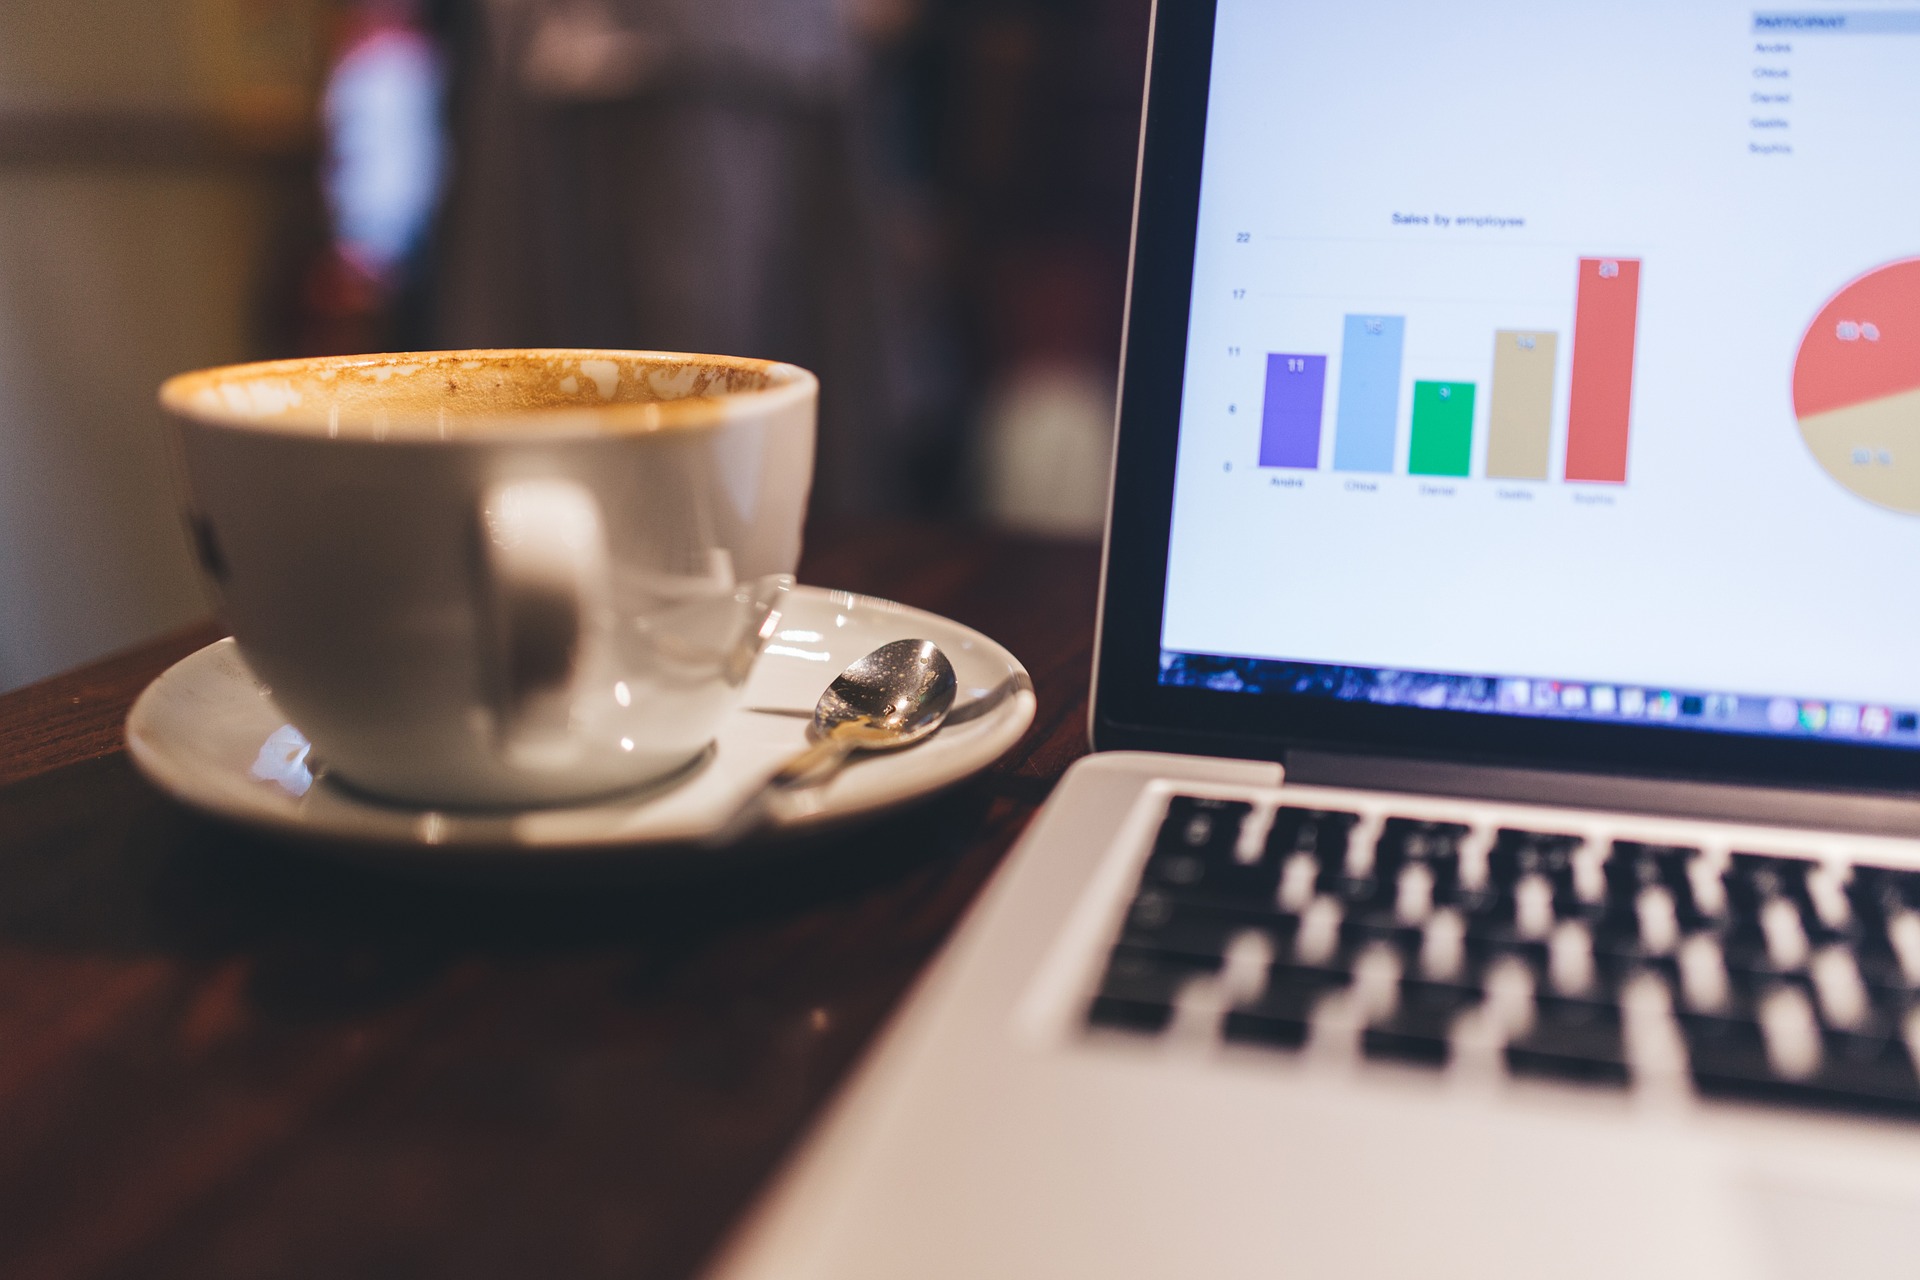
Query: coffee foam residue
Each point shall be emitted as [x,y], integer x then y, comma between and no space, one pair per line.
[433,394]
[605,375]
[263,397]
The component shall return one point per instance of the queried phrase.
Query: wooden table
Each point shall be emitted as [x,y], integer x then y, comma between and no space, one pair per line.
[223,1058]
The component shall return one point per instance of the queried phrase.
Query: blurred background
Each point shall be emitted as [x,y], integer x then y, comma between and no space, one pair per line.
[925,201]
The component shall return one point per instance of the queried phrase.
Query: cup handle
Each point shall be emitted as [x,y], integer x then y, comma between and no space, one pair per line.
[545,599]
[764,600]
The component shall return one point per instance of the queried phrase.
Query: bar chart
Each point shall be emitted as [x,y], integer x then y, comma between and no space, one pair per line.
[1520,417]
[1290,420]
[1442,429]
[1502,413]
[1370,358]
[1603,337]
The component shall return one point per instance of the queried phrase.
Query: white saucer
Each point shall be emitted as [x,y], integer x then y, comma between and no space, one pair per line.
[207,733]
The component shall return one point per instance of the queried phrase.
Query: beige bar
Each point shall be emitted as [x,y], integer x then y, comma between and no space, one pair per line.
[1520,418]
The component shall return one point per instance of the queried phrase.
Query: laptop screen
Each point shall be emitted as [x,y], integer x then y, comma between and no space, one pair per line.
[1558,360]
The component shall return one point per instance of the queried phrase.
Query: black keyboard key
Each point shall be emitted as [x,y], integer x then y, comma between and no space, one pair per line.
[1728,1058]
[1880,968]
[1281,1015]
[1876,894]
[1367,897]
[1489,909]
[1420,1025]
[1202,826]
[1629,868]
[1766,873]
[1757,885]
[1744,944]
[1875,897]
[1572,1039]
[1404,840]
[1518,853]
[1446,881]
[1726,1054]
[1125,1013]
[1633,866]
[1870,1072]
[1488,943]
[1613,969]
[1676,872]
[1323,835]
[1196,856]
[1617,931]
[1753,879]
[1201,931]
[1139,990]
[1356,934]
[1223,880]
[1515,856]
[1621,941]
[1745,991]
[1434,845]
[1729,1037]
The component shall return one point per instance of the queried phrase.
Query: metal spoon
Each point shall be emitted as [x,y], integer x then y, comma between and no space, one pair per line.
[987,700]
[892,698]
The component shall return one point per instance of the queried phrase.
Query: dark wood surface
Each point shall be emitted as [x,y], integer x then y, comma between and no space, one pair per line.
[222,1057]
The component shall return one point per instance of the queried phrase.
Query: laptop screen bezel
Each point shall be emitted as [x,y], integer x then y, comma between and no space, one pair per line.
[1132,709]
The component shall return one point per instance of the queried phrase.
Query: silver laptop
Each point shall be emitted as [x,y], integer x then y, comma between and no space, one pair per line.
[1499,860]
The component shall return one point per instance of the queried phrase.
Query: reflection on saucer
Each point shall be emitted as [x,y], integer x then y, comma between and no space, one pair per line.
[283,761]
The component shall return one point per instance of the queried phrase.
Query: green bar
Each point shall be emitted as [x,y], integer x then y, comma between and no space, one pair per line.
[1442,429]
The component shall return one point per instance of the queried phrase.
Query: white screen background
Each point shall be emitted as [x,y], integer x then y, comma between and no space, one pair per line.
[1729,560]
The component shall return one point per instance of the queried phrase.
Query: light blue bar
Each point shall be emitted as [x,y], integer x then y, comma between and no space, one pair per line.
[1369,393]
[1856,22]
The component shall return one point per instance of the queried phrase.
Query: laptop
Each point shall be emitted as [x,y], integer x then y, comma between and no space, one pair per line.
[1499,855]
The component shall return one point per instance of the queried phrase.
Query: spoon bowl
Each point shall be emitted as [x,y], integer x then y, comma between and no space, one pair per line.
[893,697]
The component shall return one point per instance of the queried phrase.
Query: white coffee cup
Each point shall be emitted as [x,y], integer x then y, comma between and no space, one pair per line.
[499,578]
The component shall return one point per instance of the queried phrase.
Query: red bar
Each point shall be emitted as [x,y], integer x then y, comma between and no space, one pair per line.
[1602,397]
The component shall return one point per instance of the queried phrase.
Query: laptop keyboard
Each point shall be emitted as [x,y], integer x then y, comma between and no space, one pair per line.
[1753,975]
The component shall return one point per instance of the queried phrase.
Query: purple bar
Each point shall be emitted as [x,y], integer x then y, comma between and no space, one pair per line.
[1290,423]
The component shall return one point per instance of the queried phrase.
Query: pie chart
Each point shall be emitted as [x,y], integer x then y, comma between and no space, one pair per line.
[1856,386]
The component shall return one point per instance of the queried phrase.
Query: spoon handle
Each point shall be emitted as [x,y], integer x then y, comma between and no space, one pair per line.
[822,757]
[816,762]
